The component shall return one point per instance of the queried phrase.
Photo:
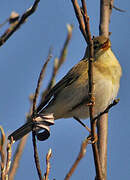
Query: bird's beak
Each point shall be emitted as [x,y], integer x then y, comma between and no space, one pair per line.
[106,45]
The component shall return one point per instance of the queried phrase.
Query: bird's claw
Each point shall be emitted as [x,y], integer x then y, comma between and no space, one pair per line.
[91,102]
[92,140]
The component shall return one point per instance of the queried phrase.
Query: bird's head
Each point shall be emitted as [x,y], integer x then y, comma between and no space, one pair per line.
[100,45]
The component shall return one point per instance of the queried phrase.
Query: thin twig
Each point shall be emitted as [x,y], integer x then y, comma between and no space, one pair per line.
[65,46]
[15,27]
[78,159]
[37,163]
[40,80]
[8,159]
[33,114]
[14,16]
[86,127]
[115,102]
[48,156]
[17,157]
[5,162]
[58,62]
[79,18]
[2,153]
[118,9]
[87,27]
[1,25]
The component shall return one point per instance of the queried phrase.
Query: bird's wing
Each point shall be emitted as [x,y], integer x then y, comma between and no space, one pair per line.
[66,81]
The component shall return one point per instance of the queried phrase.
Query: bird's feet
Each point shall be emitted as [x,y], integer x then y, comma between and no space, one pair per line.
[91,102]
[92,140]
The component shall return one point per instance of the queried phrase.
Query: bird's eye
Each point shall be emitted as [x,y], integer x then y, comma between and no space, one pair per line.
[96,44]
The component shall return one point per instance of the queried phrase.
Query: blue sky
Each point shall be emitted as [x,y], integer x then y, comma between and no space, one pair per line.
[21,58]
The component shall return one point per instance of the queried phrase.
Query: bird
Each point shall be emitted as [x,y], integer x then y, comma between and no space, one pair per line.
[70,96]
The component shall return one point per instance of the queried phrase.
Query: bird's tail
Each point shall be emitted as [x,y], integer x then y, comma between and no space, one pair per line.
[22,131]
[42,122]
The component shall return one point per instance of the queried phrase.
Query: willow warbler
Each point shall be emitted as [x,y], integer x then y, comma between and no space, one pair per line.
[69,97]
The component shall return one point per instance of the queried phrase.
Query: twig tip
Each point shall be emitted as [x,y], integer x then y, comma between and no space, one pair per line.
[70,28]
[49,154]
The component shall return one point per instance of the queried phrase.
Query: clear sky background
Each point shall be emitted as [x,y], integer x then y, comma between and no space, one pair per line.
[21,58]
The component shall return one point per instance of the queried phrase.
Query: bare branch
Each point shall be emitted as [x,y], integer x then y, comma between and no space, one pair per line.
[115,102]
[2,153]
[83,20]
[55,70]
[91,93]
[39,81]
[118,9]
[48,156]
[8,160]
[102,123]
[79,18]
[16,157]
[5,159]
[87,27]
[65,46]
[21,144]
[23,141]
[79,157]
[20,147]
[105,12]
[37,163]
[17,24]
[33,115]
[86,127]
[58,62]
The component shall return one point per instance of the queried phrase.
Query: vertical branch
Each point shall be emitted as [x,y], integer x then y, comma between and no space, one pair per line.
[105,12]
[39,82]
[5,155]
[2,153]
[17,157]
[8,159]
[37,163]
[83,20]
[102,123]
[91,93]
[102,129]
